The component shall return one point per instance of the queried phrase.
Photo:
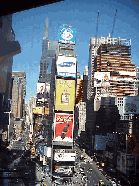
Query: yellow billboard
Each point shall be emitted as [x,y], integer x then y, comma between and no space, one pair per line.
[38,110]
[46,111]
[65,95]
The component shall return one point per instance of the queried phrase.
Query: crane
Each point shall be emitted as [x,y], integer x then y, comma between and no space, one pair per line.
[114,22]
[97,28]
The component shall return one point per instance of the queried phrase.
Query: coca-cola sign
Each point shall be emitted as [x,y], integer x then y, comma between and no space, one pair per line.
[63,127]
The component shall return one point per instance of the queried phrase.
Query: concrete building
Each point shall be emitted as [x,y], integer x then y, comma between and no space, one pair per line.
[8,48]
[18,94]
[111,73]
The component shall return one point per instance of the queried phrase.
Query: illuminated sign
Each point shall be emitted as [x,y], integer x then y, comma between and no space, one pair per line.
[66,66]
[65,95]
[63,130]
[67,34]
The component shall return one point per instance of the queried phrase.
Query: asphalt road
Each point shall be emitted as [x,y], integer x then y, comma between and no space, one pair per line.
[94,175]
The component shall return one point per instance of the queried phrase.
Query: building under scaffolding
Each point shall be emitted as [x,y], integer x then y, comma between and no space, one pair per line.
[114,56]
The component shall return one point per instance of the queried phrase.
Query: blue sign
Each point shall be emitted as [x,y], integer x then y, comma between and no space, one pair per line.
[41,149]
[66,74]
[67,34]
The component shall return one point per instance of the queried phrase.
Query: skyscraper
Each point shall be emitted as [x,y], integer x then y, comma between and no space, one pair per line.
[48,52]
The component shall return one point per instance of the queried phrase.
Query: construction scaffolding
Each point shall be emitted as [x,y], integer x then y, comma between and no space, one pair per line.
[114,56]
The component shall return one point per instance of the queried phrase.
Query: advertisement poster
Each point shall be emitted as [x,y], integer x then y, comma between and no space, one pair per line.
[132,144]
[110,142]
[64,156]
[63,171]
[100,142]
[131,105]
[123,163]
[66,66]
[41,149]
[43,93]
[63,130]
[38,110]
[118,159]
[102,79]
[65,95]
[130,164]
[67,34]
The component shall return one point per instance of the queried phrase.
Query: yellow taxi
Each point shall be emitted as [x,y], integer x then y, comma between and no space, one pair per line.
[90,169]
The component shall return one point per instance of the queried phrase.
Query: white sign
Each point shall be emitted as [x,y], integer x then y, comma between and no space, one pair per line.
[101,79]
[66,66]
[41,87]
[64,156]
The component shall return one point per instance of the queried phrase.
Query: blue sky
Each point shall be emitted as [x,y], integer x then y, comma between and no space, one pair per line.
[29,31]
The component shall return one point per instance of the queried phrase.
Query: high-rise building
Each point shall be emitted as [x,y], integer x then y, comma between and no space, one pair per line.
[48,52]
[18,94]
[111,73]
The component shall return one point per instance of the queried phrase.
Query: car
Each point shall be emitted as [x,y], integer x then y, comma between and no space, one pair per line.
[113,183]
[90,169]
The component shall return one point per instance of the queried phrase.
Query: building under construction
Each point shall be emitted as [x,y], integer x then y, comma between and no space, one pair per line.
[114,56]
[111,73]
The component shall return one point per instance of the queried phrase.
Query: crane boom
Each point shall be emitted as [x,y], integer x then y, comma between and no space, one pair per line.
[97,27]
[114,22]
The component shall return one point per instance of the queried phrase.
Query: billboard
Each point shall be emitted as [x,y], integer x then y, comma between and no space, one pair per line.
[64,156]
[67,34]
[38,110]
[66,66]
[131,105]
[65,95]
[63,171]
[100,142]
[123,163]
[63,128]
[43,93]
[102,79]
[132,144]
[49,152]
[43,87]
[130,164]
[41,148]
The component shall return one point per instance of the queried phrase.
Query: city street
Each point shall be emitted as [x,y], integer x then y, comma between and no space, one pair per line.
[93,175]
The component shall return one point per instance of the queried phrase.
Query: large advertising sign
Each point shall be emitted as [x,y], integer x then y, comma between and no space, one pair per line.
[123,163]
[67,34]
[41,148]
[63,171]
[66,66]
[131,105]
[130,164]
[65,95]
[38,110]
[102,79]
[132,144]
[64,156]
[63,130]
[100,142]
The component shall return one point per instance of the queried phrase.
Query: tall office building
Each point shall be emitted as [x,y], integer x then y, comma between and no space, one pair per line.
[48,52]
[18,94]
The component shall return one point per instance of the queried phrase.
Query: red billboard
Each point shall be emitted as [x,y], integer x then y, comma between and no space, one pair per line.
[63,127]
